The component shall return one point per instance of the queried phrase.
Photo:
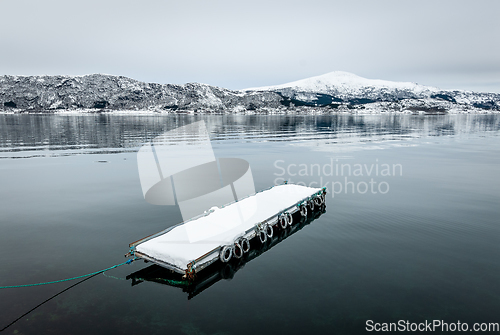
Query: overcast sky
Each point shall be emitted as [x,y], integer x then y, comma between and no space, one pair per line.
[236,44]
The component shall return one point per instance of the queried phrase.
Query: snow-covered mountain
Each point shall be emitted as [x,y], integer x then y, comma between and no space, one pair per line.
[346,88]
[346,83]
[333,91]
[107,92]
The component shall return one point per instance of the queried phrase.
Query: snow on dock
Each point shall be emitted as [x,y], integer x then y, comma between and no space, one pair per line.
[225,232]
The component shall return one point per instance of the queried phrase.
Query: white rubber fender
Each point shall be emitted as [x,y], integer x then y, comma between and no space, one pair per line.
[238,250]
[226,253]
[269,230]
[311,204]
[303,210]
[283,221]
[245,245]
[262,236]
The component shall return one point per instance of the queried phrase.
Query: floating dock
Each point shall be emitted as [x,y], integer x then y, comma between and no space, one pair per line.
[222,271]
[223,233]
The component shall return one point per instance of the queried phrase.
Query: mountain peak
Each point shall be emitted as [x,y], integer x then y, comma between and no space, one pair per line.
[343,81]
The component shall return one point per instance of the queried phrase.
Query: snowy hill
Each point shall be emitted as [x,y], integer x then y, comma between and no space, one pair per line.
[107,92]
[344,81]
[335,91]
[346,88]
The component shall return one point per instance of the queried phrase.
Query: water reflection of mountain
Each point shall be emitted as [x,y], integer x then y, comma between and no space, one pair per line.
[118,133]
[218,270]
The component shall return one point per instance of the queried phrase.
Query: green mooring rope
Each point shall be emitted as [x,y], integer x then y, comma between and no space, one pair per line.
[68,279]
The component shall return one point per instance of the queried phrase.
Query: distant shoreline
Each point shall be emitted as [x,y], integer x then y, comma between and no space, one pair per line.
[332,93]
[288,111]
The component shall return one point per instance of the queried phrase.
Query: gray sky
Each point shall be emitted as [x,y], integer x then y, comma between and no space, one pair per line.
[233,44]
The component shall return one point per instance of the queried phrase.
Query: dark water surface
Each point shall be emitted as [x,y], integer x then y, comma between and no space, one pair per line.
[411,230]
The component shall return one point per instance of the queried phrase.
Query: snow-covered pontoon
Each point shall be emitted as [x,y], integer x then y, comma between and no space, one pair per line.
[225,232]
[222,271]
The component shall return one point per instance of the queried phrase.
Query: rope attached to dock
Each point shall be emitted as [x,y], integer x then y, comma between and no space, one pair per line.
[68,279]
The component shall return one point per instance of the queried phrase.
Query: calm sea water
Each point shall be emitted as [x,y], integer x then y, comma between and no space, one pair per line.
[411,230]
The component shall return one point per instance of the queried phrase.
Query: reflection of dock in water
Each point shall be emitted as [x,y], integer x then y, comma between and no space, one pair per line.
[218,270]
